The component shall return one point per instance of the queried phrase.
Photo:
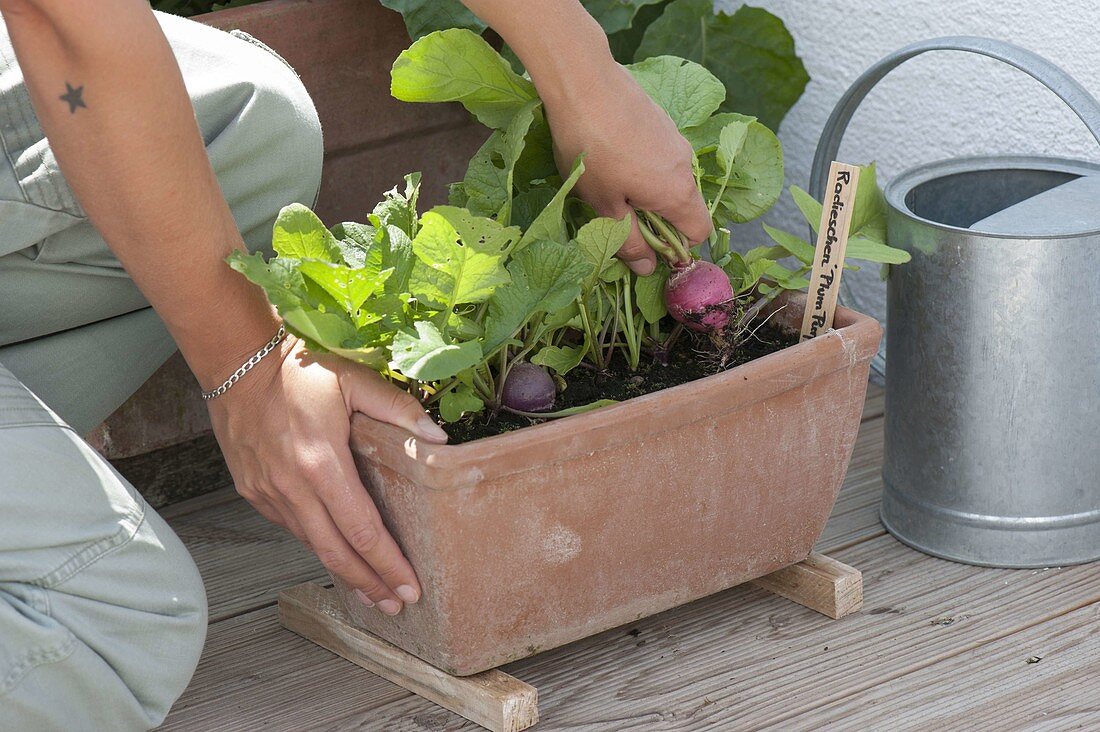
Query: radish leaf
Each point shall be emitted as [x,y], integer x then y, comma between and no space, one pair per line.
[459,401]
[867,238]
[756,172]
[687,91]
[546,277]
[424,16]
[751,52]
[615,15]
[561,359]
[794,246]
[426,356]
[549,223]
[350,287]
[449,272]
[490,175]
[299,233]
[598,241]
[650,293]
[457,65]
[484,234]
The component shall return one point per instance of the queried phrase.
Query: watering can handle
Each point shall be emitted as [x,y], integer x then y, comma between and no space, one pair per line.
[1058,81]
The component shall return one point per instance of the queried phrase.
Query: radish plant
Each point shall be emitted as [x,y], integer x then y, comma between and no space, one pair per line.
[485,304]
[749,49]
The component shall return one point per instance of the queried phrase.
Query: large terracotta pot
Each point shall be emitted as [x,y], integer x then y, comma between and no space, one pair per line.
[535,538]
[343,51]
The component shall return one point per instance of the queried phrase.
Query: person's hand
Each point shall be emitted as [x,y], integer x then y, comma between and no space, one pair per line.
[635,157]
[284,430]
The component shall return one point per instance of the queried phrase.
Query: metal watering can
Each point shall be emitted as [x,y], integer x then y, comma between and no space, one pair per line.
[993,341]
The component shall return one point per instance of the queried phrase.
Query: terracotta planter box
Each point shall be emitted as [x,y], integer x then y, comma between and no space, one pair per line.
[539,537]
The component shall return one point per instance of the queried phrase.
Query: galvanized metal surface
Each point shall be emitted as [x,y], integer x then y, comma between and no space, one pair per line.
[992,450]
[993,395]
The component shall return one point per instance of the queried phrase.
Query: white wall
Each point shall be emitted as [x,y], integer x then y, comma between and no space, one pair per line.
[938,105]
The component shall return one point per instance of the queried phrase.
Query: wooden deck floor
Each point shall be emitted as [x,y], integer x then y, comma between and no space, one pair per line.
[938,646]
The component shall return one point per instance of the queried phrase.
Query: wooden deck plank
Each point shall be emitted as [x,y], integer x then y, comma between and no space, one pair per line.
[254,674]
[206,501]
[740,660]
[855,515]
[492,699]
[245,561]
[1046,677]
[875,405]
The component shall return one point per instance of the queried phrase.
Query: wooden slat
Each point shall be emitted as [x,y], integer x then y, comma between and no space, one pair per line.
[491,699]
[742,659]
[1044,678]
[254,674]
[820,583]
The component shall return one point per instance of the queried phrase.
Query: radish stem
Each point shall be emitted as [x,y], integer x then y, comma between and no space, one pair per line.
[671,237]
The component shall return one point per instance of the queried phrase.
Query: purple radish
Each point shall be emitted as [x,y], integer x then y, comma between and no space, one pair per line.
[529,388]
[699,296]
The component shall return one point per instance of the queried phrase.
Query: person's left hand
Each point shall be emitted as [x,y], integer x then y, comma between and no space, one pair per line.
[284,431]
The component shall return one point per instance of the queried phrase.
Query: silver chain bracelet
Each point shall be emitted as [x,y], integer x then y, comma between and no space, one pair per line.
[246,366]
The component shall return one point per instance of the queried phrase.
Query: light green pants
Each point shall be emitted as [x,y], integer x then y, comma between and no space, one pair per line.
[102,611]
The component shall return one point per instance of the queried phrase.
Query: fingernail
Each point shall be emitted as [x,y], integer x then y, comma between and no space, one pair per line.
[407,593]
[641,267]
[430,430]
[364,599]
[389,607]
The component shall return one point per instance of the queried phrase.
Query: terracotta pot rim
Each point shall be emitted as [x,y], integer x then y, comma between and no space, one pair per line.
[854,339]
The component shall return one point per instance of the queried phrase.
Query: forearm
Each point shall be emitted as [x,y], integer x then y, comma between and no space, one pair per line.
[562,47]
[128,143]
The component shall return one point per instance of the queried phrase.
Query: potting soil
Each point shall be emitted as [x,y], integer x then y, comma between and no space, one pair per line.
[691,359]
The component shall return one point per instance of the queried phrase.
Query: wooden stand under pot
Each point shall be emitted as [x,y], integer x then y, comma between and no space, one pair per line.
[496,700]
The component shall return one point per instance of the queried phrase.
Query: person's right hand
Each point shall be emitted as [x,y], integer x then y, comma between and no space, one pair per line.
[284,430]
[635,156]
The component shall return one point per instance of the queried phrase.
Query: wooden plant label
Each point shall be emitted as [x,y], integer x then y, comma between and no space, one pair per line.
[832,241]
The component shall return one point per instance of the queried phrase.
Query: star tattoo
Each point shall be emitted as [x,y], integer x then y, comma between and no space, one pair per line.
[74,97]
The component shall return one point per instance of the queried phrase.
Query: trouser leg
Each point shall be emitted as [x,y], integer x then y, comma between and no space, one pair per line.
[102,612]
[79,369]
